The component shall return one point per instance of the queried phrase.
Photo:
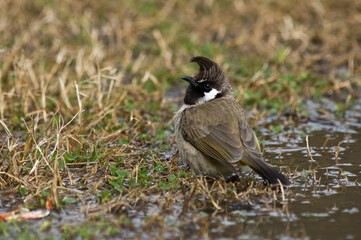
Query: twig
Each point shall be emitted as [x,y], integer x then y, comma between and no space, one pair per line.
[308,149]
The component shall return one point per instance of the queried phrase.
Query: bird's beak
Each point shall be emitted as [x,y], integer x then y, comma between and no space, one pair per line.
[190,80]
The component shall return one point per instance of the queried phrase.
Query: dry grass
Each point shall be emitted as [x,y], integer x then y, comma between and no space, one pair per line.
[84,92]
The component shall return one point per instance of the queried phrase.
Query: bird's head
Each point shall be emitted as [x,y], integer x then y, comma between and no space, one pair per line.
[209,83]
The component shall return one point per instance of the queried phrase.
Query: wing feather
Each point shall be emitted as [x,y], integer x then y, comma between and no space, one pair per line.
[217,137]
[229,140]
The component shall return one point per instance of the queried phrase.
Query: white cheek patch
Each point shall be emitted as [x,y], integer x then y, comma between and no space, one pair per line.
[209,95]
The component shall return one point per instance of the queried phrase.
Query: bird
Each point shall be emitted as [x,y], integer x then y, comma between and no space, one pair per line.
[212,134]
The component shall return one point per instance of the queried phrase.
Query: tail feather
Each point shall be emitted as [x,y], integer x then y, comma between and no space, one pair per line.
[266,171]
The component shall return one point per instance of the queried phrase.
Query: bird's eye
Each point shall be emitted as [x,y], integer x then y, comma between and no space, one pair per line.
[207,86]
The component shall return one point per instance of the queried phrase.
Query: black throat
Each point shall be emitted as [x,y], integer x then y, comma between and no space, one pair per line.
[193,94]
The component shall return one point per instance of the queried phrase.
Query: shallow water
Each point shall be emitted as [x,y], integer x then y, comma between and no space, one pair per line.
[328,208]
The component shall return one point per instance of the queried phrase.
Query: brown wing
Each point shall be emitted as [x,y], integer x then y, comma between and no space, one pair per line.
[249,139]
[215,132]
[223,134]
[253,157]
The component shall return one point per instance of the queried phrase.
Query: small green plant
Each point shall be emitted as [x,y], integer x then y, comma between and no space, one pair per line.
[104,196]
[145,177]
[118,182]
[23,191]
[170,183]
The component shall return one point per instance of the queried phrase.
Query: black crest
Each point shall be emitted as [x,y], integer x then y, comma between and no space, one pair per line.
[208,69]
